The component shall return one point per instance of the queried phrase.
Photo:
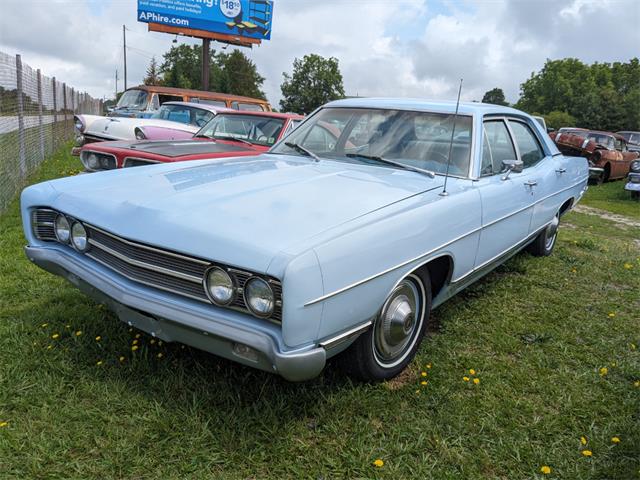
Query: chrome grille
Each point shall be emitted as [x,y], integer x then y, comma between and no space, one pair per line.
[42,221]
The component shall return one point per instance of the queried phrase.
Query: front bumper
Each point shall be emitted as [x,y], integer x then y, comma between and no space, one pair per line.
[169,319]
[633,185]
[595,172]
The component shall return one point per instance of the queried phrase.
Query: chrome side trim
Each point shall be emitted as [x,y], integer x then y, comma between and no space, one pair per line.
[333,341]
[144,265]
[146,247]
[444,245]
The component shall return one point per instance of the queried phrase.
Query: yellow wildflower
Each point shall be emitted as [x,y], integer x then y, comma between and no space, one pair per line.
[378,463]
[121,359]
[472,371]
[636,383]
[3,424]
[44,325]
[99,362]
[632,346]
[476,381]
[628,266]
[49,347]
[98,338]
[573,270]
[134,348]
[78,333]
[152,341]
[55,336]
[135,342]
[137,335]
[424,382]
[587,453]
[612,314]
[67,326]
[545,469]
[160,355]
[424,374]
[428,365]
[583,440]
[615,439]
[604,371]
[466,379]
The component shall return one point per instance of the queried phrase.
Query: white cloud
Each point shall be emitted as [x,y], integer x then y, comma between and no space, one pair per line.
[385,48]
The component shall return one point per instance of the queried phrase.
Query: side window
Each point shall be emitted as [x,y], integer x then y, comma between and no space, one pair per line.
[169,98]
[251,107]
[155,103]
[496,147]
[530,150]
[619,145]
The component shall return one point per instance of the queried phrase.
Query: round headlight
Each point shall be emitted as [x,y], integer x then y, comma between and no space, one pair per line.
[61,228]
[79,125]
[259,297]
[93,162]
[79,238]
[220,286]
[79,140]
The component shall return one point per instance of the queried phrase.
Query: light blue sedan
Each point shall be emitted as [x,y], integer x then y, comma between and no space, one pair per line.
[340,240]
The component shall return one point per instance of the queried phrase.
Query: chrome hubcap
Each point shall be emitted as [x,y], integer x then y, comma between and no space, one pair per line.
[551,232]
[398,323]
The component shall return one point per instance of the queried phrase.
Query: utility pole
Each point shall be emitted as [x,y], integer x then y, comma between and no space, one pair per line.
[124,45]
[116,95]
[205,63]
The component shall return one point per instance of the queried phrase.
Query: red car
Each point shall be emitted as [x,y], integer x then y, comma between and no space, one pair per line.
[228,134]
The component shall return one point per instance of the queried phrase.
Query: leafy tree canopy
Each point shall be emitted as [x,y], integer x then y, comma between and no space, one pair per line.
[315,81]
[494,96]
[603,96]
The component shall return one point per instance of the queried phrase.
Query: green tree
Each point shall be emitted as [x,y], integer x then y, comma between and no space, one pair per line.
[315,81]
[599,96]
[494,96]
[238,75]
[558,119]
[153,73]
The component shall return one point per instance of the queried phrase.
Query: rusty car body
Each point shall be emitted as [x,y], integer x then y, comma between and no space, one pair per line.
[607,153]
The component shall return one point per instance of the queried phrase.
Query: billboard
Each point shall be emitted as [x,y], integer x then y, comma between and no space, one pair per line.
[246,18]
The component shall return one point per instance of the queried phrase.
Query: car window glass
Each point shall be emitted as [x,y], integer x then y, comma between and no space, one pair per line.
[497,146]
[155,103]
[619,145]
[320,139]
[201,117]
[215,103]
[169,98]
[530,150]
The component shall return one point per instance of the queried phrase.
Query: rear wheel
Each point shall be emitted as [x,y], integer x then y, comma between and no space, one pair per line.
[390,344]
[543,245]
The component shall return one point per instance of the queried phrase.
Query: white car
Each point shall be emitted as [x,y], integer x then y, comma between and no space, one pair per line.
[170,122]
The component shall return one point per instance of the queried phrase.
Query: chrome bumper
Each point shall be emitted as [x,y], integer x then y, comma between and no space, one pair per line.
[181,320]
[595,172]
[633,185]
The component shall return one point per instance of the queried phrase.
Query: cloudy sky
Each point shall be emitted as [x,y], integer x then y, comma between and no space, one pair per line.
[416,48]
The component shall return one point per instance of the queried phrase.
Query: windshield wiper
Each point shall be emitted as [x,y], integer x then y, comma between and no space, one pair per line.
[234,139]
[302,150]
[386,161]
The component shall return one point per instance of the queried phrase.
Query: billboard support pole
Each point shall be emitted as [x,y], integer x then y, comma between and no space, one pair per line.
[124,51]
[205,63]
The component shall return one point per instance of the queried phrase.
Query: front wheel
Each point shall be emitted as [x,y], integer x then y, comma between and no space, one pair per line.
[543,245]
[391,343]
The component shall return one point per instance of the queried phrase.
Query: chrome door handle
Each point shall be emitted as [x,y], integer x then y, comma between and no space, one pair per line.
[561,170]
[531,183]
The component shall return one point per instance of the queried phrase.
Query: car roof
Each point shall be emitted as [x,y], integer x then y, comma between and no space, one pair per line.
[610,134]
[202,106]
[293,116]
[416,104]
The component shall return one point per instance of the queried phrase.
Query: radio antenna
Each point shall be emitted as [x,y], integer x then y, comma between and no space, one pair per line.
[453,131]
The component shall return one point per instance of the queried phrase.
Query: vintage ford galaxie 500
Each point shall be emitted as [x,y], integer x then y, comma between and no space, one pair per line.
[340,240]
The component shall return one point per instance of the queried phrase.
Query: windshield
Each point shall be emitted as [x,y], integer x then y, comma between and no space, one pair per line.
[256,129]
[604,140]
[133,99]
[183,114]
[414,139]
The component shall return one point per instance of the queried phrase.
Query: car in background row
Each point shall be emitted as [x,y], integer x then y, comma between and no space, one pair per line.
[172,120]
[633,182]
[145,100]
[317,248]
[230,134]
[633,140]
[607,153]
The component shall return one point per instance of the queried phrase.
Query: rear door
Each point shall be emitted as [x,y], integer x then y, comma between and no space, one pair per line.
[507,201]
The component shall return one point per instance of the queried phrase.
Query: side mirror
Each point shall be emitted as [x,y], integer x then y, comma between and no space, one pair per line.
[509,166]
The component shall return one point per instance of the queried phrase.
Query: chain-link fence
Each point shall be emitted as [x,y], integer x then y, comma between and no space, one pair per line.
[36,118]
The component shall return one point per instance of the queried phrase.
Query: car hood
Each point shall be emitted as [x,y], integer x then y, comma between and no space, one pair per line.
[240,211]
[181,148]
[120,128]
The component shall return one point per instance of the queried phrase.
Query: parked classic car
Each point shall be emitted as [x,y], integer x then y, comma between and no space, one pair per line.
[172,120]
[633,140]
[633,182]
[228,134]
[607,152]
[145,100]
[318,247]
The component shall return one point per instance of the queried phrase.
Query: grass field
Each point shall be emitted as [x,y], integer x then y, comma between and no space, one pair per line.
[554,342]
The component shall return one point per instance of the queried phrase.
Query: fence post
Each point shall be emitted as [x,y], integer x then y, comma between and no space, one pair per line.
[64,109]
[54,129]
[40,123]
[21,133]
